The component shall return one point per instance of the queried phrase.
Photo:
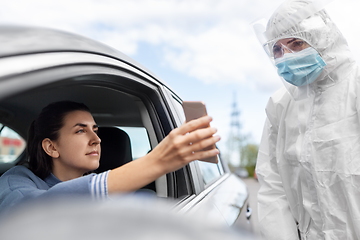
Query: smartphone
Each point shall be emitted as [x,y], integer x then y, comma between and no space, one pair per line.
[194,110]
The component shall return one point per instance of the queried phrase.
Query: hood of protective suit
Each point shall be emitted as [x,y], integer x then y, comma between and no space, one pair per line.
[307,20]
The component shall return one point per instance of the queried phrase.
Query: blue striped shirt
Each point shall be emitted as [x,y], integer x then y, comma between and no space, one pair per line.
[19,184]
[98,185]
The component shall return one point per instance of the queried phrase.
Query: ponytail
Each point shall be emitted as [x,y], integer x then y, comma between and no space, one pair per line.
[40,163]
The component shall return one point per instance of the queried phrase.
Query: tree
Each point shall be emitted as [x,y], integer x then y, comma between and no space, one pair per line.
[248,157]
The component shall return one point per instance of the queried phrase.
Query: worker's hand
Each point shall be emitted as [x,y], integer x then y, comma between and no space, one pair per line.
[185,144]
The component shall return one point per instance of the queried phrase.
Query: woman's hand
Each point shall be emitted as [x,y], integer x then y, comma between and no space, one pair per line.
[180,147]
[185,144]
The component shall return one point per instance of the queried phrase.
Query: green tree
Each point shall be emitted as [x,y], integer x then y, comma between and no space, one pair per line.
[248,155]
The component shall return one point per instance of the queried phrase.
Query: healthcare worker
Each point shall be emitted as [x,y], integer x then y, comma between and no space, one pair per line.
[309,159]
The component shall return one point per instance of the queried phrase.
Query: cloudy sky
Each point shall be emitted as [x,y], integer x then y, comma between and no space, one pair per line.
[205,50]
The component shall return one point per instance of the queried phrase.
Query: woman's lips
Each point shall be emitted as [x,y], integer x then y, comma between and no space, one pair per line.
[93,153]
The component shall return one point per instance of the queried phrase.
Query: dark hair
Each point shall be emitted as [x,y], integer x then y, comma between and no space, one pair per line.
[47,125]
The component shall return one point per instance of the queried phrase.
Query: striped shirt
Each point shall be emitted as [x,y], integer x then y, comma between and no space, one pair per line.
[98,185]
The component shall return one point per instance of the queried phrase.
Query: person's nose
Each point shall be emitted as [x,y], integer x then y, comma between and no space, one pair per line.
[94,139]
[286,50]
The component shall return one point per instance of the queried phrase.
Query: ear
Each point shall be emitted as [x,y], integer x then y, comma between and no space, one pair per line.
[50,148]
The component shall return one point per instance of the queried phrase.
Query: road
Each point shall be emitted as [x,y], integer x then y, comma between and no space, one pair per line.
[253,187]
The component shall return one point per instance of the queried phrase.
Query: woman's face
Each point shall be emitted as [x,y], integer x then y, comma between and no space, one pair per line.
[78,146]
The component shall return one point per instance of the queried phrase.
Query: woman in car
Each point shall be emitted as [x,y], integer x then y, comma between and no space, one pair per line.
[63,146]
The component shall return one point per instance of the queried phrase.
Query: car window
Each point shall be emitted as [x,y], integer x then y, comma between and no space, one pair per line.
[139,140]
[209,171]
[11,145]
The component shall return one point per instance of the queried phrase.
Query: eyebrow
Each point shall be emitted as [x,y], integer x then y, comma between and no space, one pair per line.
[292,40]
[84,125]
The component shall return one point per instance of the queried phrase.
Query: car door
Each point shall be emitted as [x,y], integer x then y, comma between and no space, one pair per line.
[121,95]
[219,193]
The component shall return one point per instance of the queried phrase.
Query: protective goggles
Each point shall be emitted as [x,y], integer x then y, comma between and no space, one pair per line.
[288,45]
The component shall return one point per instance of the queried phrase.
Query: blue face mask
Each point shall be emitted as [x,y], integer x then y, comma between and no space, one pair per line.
[300,68]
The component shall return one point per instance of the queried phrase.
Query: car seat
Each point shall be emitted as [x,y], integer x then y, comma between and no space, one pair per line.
[115,148]
[116,151]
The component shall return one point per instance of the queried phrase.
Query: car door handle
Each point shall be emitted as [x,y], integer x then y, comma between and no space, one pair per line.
[248,213]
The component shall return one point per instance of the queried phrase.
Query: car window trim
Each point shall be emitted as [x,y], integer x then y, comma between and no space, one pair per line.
[186,206]
[192,171]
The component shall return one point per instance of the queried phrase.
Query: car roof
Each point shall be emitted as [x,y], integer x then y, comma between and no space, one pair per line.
[22,40]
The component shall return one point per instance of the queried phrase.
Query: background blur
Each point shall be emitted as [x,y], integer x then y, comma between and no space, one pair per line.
[205,50]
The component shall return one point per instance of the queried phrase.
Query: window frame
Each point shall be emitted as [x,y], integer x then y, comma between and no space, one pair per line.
[194,168]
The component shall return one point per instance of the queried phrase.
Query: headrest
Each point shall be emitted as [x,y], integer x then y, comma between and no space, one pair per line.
[115,148]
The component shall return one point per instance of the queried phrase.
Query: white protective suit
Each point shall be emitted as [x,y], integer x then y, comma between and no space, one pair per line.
[309,158]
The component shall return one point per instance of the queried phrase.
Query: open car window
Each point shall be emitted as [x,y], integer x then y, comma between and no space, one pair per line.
[117,100]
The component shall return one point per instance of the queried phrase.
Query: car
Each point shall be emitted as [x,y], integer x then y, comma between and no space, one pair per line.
[241,172]
[132,106]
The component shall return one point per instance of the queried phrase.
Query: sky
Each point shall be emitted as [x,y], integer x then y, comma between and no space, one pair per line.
[204,50]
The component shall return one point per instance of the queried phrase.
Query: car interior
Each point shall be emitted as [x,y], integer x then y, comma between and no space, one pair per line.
[117,112]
